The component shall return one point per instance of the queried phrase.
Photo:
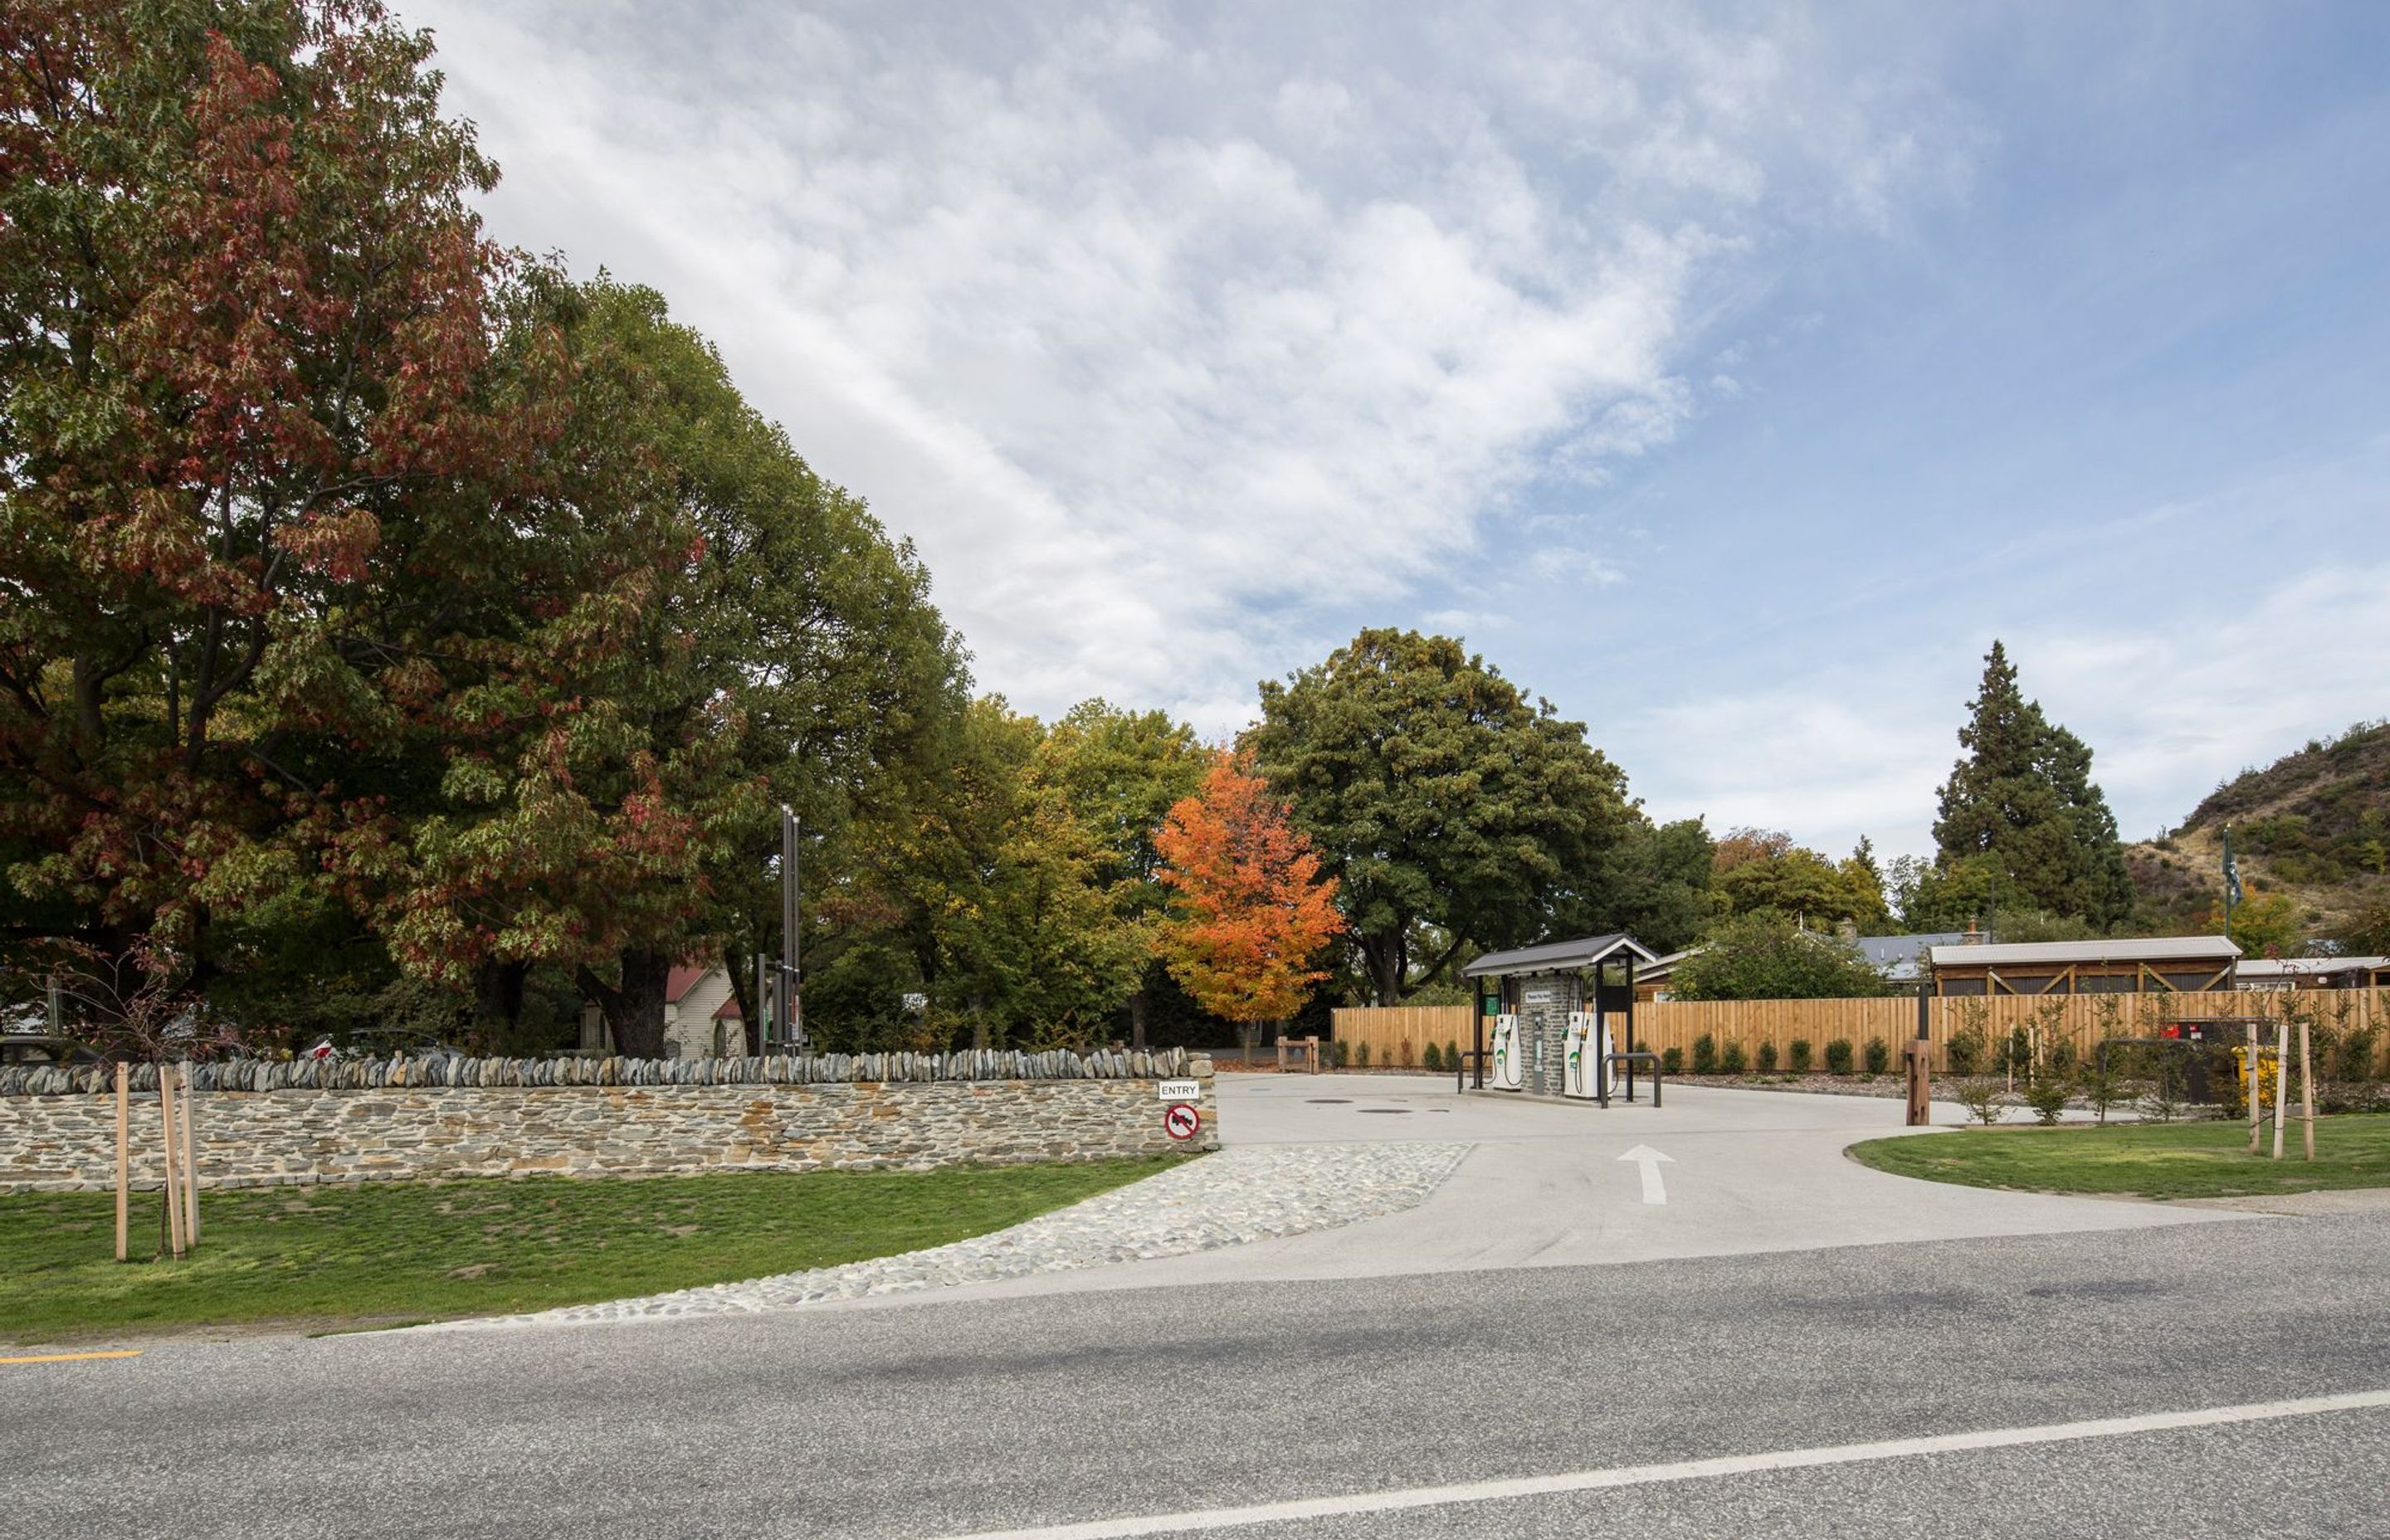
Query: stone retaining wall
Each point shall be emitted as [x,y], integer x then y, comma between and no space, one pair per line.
[66,1142]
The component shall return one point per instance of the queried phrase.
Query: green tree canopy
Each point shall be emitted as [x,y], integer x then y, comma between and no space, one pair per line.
[2020,808]
[1764,955]
[1763,869]
[1440,796]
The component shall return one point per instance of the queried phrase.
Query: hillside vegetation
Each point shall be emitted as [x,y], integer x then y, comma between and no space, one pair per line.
[2314,825]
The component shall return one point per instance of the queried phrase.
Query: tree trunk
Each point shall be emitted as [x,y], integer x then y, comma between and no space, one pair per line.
[634,1007]
[741,966]
[498,999]
[1137,1020]
[979,1024]
[1382,954]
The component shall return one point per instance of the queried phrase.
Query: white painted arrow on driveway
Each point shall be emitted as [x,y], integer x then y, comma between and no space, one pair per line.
[1651,1161]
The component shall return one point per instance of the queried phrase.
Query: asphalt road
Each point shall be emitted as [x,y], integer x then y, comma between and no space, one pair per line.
[962,1416]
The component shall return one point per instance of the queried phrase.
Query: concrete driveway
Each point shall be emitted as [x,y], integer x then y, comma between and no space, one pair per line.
[1544,1184]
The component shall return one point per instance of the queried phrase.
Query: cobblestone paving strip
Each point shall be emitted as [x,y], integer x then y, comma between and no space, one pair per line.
[1242,1193]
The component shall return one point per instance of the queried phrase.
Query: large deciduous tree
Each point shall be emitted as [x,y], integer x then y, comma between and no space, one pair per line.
[2021,811]
[1250,910]
[1121,772]
[1441,796]
[1766,955]
[262,479]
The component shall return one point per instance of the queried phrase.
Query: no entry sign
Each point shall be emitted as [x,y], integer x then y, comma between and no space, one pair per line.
[1181,1121]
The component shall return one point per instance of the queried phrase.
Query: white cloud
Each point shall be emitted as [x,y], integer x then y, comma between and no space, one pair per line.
[2168,709]
[1162,341]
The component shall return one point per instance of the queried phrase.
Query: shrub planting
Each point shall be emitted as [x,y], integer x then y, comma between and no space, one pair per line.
[1706,1058]
[1799,1055]
[2047,1096]
[1672,1061]
[1966,1050]
[1432,1059]
[1838,1056]
[1405,1051]
[1732,1060]
[2097,1082]
[1766,1058]
[1451,1055]
[1984,1097]
[1361,1054]
[1878,1056]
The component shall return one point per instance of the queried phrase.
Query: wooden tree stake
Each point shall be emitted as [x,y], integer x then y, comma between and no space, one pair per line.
[2256,1091]
[2307,1087]
[2281,1082]
[123,1155]
[190,1158]
[169,1164]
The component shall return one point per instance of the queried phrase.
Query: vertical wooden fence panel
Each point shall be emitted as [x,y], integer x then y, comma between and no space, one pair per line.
[1387,1029]
[2083,1020]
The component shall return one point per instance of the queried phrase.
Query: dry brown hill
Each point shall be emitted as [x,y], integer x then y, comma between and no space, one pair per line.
[2314,824]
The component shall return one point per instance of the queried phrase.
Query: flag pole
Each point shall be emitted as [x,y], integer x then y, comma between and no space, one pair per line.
[2231,882]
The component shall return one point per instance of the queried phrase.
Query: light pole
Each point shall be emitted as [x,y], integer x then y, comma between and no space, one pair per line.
[787,1006]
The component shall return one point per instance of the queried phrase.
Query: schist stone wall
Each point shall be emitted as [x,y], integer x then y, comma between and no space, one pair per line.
[65,1140]
[1545,1002]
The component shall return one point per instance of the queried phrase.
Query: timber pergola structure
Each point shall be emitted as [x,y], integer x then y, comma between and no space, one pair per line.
[2124,965]
[1543,985]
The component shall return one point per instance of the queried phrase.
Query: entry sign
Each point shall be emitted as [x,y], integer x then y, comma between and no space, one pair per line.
[1182,1121]
[1182,1090]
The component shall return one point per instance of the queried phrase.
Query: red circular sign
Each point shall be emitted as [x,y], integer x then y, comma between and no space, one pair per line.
[1182,1121]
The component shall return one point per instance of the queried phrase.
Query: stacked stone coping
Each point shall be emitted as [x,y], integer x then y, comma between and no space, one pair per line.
[374,1074]
[357,1121]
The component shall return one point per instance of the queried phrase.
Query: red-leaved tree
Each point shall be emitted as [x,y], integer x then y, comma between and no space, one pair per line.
[1249,911]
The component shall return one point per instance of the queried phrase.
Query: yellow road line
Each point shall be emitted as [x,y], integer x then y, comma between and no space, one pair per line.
[71,1358]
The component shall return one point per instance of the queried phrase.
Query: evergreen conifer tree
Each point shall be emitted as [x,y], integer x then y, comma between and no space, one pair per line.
[2021,809]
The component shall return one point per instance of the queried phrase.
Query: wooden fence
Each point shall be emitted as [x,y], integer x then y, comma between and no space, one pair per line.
[1399,1035]
[2083,1018]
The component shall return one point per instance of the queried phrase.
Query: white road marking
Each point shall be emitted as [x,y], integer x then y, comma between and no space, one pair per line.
[1649,1160]
[1201,1519]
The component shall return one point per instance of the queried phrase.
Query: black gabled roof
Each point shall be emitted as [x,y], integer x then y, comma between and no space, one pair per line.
[1558,957]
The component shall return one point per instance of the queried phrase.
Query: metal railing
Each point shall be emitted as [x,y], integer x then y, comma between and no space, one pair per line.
[1601,1082]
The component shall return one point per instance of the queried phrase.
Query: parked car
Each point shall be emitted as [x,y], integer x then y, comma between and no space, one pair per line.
[41,1048]
[385,1043]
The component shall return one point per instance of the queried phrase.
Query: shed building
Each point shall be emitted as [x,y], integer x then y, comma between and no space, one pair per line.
[2314,973]
[2116,966]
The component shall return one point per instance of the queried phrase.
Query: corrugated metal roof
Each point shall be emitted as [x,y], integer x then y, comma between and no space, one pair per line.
[1555,957]
[2113,949]
[1897,956]
[2304,967]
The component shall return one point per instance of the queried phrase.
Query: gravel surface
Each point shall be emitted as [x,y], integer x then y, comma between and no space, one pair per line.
[1239,1193]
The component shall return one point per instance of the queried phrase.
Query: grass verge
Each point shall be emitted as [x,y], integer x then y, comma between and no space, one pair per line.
[384,1253]
[2179,1160]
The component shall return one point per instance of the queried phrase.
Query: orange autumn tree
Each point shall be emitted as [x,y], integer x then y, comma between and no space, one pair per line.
[1248,909]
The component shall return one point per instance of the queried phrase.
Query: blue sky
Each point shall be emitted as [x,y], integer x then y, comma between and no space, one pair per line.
[1729,375]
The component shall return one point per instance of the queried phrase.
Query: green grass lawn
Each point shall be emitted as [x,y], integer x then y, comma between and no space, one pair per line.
[2179,1159]
[385,1252]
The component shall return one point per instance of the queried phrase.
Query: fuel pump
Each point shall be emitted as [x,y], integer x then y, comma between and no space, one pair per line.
[1587,1048]
[1510,1073]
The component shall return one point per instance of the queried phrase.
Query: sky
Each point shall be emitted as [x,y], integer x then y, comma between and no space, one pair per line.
[1729,375]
